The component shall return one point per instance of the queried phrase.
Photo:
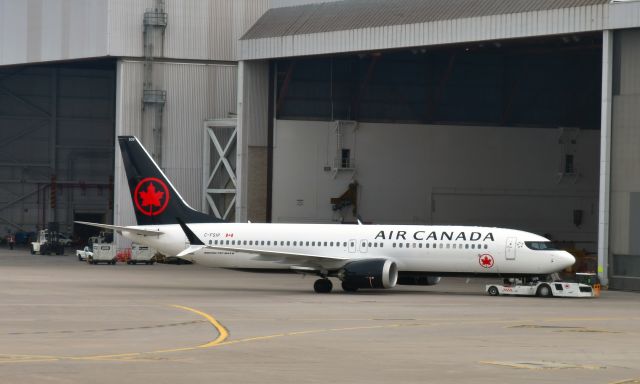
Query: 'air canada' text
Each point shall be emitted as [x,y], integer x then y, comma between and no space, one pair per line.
[435,236]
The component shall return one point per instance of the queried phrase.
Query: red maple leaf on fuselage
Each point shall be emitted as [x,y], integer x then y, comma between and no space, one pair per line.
[486,261]
[151,197]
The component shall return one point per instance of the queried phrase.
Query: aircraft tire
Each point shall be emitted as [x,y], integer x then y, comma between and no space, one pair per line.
[323,286]
[348,287]
[493,291]
[545,291]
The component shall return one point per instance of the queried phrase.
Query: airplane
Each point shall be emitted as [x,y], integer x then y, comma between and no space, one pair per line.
[360,256]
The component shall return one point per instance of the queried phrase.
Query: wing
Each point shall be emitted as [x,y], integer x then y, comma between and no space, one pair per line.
[283,257]
[295,260]
[120,229]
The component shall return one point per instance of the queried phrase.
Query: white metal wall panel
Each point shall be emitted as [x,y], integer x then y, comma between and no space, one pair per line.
[624,15]
[505,26]
[196,29]
[256,100]
[195,92]
[50,30]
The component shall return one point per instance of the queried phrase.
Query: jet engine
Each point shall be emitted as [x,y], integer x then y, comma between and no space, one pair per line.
[373,273]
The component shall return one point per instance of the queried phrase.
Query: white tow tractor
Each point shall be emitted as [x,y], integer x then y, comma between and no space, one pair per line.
[519,287]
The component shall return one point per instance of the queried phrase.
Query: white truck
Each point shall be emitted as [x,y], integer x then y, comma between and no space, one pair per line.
[83,254]
[103,253]
[540,288]
[141,254]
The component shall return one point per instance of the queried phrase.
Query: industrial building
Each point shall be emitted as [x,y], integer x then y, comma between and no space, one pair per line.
[518,113]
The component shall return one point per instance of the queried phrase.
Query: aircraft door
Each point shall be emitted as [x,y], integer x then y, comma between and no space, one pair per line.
[363,246]
[510,249]
[352,245]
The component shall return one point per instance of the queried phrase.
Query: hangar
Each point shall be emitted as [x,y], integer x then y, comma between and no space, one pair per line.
[477,112]
[517,114]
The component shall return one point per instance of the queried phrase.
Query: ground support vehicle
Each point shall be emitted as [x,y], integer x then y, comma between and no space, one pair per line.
[83,254]
[47,243]
[103,253]
[141,254]
[540,288]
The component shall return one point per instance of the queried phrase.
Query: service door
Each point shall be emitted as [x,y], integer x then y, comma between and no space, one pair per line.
[510,250]
[352,245]
[363,246]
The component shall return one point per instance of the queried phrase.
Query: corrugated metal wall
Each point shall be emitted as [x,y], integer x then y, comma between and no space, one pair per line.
[537,23]
[196,29]
[625,162]
[47,30]
[195,92]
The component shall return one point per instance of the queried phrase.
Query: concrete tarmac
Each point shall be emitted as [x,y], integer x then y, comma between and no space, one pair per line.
[64,321]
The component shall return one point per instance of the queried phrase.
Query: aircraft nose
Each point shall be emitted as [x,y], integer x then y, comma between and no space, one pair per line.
[567,259]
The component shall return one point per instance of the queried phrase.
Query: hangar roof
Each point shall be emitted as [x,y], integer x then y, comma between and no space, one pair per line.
[356,14]
[368,25]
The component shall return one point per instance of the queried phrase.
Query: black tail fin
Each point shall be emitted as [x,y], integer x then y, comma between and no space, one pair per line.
[155,199]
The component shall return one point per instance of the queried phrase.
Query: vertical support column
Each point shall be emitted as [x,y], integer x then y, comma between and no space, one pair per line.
[53,142]
[242,161]
[605,157]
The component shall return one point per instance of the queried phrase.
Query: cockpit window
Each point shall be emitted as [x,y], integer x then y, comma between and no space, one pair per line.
[540,245]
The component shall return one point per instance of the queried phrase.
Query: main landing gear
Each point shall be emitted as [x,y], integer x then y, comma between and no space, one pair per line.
[323,286]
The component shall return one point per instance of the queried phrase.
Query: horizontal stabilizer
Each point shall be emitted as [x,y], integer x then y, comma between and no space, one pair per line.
[120,229]
[191,250]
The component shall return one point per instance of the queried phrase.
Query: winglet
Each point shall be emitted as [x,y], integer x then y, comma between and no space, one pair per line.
[193,239]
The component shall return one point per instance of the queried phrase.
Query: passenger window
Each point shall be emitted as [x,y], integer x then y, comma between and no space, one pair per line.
[466,246]
[353,244]
[454,246]
[268,242]
[216,242]
[210,242]
[295,243]
[426,245]
[325,243]
[288,243]
[331,244]
[420,245]
[282,243]
[344,244]
[375,245]
[369,245]
[486,246]
[394,245]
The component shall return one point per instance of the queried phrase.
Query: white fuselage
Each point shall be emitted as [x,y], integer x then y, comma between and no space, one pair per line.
[414,248]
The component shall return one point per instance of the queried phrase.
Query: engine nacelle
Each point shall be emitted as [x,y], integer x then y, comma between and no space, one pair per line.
[418,279]
[373,273]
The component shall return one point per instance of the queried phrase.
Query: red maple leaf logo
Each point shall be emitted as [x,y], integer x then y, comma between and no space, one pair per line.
[151,198]
[486,261]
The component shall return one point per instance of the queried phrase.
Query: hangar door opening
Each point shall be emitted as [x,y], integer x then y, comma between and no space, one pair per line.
[502,133]
[56,145]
